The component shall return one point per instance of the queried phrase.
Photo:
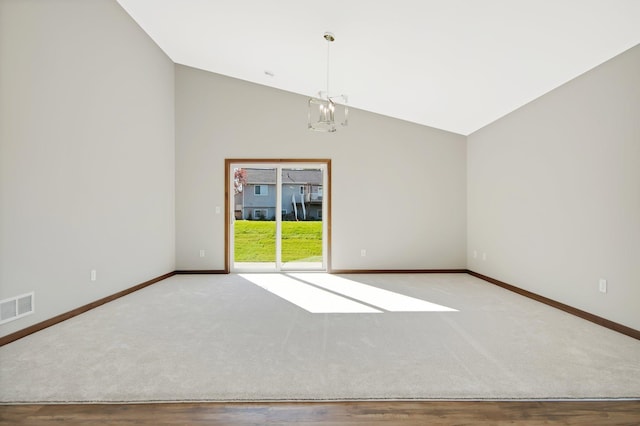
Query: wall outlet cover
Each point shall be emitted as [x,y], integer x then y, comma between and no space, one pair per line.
[602,285]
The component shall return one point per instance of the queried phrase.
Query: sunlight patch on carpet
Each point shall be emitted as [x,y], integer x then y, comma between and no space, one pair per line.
[306,296]
[323,293]
[384,299]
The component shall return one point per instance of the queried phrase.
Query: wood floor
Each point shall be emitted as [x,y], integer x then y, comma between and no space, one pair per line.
[330,413]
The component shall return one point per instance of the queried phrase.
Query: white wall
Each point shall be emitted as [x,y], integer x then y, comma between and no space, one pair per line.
[554,193]
[87,172]
[86,154]
[398,188]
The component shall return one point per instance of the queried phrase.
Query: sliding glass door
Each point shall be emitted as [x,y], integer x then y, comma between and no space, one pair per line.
[301,239]
[277,216]
[253,227]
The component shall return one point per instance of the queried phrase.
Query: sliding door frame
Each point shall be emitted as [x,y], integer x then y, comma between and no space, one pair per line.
[280,161]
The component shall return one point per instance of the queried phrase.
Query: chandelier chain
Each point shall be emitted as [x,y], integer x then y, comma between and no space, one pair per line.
[328,48]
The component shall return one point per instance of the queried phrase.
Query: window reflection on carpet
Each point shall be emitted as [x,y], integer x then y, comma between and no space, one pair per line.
[325,293]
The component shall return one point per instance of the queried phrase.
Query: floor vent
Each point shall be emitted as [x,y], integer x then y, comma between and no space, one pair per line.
[16,307]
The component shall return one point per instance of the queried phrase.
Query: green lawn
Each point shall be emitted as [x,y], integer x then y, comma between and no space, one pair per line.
[255,241]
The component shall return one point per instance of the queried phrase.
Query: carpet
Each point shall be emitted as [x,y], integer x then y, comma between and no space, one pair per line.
[224,338]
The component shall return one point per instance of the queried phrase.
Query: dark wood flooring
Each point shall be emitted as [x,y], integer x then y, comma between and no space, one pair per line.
[329,413]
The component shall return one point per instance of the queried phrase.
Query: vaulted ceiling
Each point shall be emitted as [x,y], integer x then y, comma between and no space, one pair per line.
[455,65]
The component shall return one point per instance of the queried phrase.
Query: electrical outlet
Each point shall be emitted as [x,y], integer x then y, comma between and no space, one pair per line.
[602,285]
[94,275]
[201,253]
[363,252]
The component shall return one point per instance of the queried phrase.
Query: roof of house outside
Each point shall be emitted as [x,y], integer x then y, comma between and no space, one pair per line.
[268,176]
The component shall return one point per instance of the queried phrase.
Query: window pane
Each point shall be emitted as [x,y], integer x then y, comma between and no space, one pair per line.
[255,227]
[302,227]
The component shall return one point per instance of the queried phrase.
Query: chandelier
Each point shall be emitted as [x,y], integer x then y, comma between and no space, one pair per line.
[324,108]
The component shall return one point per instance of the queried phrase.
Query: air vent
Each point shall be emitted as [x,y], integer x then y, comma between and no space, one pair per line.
[16,307]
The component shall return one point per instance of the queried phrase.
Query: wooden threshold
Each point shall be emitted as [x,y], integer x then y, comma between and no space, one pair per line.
[330,413]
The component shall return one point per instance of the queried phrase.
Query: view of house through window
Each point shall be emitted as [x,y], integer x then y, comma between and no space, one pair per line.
[277,219]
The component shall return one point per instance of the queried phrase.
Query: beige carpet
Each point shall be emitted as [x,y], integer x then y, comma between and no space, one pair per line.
[222,337]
